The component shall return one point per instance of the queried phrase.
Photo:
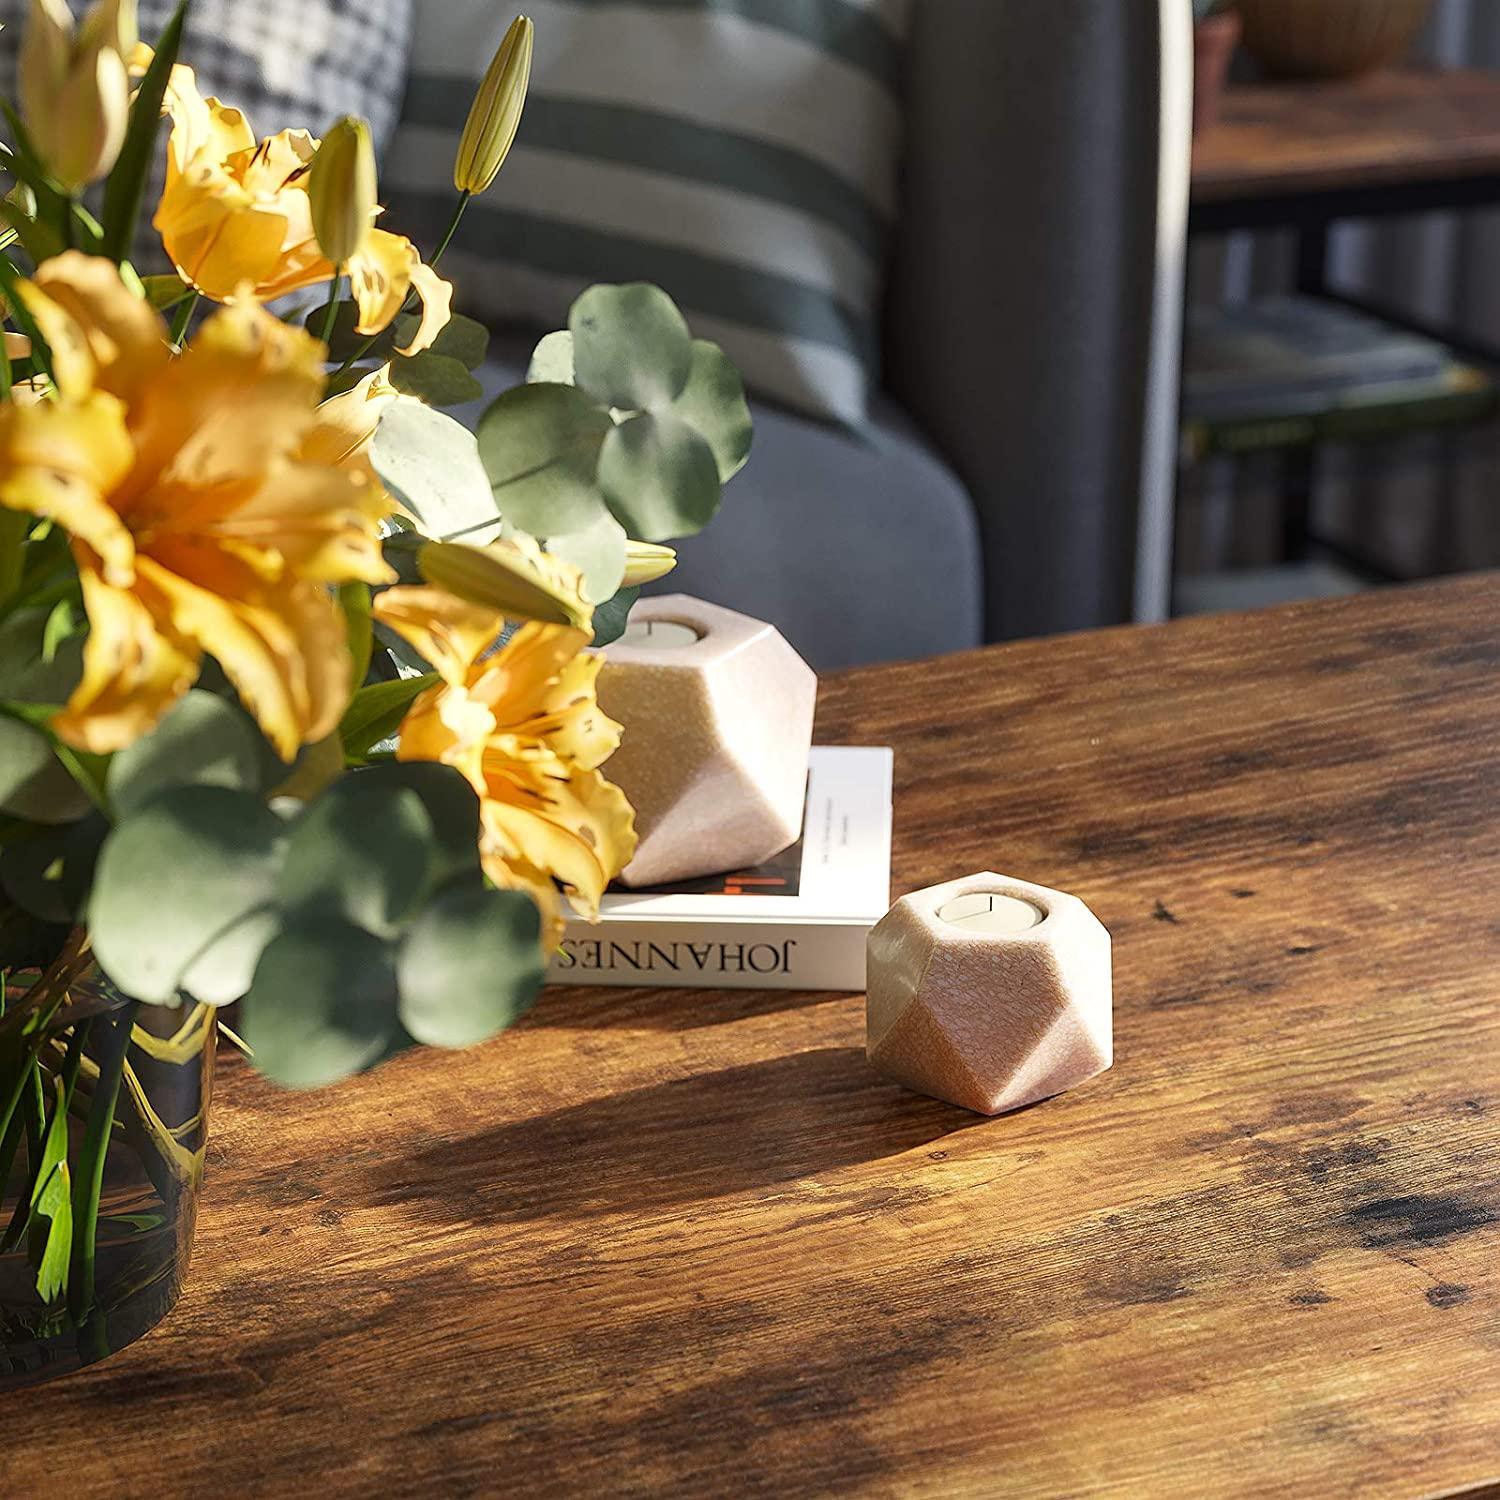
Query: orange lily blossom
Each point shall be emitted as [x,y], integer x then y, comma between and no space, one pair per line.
[522,724]
[196,524]
[235,214]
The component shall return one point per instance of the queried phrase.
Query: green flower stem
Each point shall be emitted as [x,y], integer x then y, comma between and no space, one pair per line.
[183,318]
[451,230]
[5,374]
[410,302]
[33,1119]
[89,1181]
[331,312]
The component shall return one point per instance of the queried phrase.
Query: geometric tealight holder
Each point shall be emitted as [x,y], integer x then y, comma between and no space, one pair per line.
[989,992]
[717,711]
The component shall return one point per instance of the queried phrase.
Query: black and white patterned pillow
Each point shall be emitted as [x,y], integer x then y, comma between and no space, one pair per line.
[285,63]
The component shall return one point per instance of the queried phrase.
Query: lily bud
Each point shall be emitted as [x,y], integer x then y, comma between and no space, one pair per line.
[341,190]
[75,92]
[645,562]
[496,111]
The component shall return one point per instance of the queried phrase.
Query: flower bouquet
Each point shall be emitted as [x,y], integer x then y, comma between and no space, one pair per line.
[296,709]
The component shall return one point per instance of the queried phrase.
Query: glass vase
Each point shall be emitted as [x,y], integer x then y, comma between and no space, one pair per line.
[101,1156]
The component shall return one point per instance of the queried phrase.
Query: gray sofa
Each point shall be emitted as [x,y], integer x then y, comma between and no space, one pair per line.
[1015,476]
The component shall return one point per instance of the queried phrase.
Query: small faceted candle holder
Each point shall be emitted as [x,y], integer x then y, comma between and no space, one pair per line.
[990,993]
[718,715]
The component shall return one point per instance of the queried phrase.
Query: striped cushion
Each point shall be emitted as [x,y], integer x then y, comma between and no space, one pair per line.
[740,153]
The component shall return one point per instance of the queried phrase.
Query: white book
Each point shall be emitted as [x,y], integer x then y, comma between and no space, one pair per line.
[798,922]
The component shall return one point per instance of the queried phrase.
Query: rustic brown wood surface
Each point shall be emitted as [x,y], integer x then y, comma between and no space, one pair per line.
[1391,127]
[675,1243]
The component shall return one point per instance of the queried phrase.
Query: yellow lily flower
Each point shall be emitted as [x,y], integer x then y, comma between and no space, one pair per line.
[523,726]
[235,214]
[343,425]
[75,95]
[196,526]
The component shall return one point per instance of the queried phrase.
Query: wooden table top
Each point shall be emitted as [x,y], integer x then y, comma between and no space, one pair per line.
[1395,127]
[674,1243]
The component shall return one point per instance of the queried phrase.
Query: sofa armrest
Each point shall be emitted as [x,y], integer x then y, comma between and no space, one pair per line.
[1035,302]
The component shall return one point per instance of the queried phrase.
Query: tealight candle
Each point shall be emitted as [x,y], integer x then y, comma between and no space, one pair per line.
[990,911]
[659,635]
[989,992]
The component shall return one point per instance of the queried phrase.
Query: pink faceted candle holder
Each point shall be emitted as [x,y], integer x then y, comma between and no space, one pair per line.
[989,992]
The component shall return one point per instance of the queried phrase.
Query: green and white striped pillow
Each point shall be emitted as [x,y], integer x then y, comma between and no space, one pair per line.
[740,153]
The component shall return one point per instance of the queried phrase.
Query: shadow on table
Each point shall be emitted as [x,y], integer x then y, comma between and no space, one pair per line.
[665,1009]
[675,1144]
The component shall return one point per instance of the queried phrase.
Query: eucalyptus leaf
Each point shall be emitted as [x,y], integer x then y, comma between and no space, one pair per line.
[659,477]
[437,379]
[610,618]
[431,464]
[26,676]
[322,1004]
[221,973]
[47,871]
[598,552]
[33,783]
[552,360]
[460,338]
[376,711]
[362,852]
[539,445]
[453,807]
[174,876]
[713,404]
[470,966]
[344,340]
[203,740]
[631,346]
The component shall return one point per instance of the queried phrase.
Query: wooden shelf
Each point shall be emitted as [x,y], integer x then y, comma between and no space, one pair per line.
[1388,130]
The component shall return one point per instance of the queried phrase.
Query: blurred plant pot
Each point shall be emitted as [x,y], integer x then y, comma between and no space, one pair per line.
[1330,38]
[101,1166]
[1214,41]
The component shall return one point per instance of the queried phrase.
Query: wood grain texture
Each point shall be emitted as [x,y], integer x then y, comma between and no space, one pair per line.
[1391,127]
[677,1243]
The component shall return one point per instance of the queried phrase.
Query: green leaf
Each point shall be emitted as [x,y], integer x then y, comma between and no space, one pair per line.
[33,782]
[437,379]
[127,182]
[598,552]
[659,477]
[166,291]
[174,877]
[354,600]
[376,711]
[322,1005]
[471,965]
[222,972]
[631,346]
[431,464]
[361,852]
[460,338]
[62,624]
[345,341]
[552,360]
[52,1199]
[713,404]
[25,675]
[539,445]
[203,740]
[453,807]
[40,239]
[47,872]
[14,524]
[611,616]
